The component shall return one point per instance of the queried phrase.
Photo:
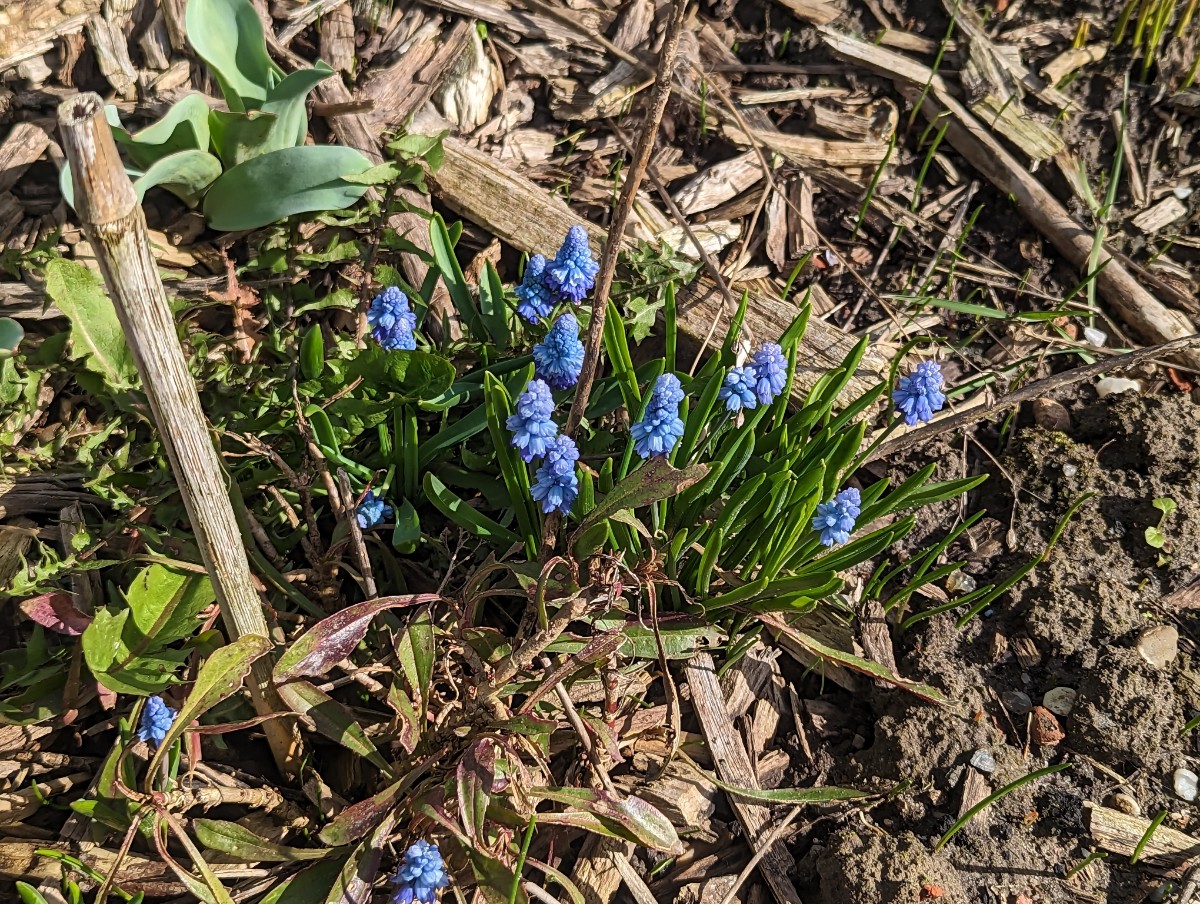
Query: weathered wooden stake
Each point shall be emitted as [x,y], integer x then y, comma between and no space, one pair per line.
[113,222]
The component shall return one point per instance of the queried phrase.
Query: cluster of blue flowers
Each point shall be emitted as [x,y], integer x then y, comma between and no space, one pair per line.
[569,277]
[392,321]
[371,511]
[157,719]
[756,383]
[535,435]
[661,427]
[421,876]
[917,396]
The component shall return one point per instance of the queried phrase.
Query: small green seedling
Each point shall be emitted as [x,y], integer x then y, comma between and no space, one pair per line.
[1154,535]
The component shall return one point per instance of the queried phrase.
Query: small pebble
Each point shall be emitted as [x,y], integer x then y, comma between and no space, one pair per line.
[983,761]
[1185,784]
[1060,700]
[960,580]
[1051,414]
[1044,728]
[1016,702]
[1126,804]
[1111,385]
[1182,192]
[1093,336]
[1070,469]
[1159,645]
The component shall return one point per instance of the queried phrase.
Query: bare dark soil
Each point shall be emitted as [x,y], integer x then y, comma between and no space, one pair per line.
[1083,612]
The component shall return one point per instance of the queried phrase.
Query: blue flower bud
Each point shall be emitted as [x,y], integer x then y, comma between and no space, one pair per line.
[157,719]
[421,875]
[371,511]
[835,519]
[559,357]
[737,392]
[555,484]
[531,426]
[918,395]
[572,273]
[392,321]
[661,427]
[535,299]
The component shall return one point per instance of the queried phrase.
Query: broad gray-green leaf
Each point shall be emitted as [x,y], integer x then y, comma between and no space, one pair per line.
[228,35]
[238,137]
[186,174]
[282,183]
[96,334]
[11,334]
[184,127]
[286,101]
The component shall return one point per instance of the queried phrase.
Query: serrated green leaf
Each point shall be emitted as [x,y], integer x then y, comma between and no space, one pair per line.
[410,375]
[96,334]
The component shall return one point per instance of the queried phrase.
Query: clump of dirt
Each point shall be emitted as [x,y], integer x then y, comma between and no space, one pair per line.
[1074,624]
[1127,714]
[1127,450]
[865,867]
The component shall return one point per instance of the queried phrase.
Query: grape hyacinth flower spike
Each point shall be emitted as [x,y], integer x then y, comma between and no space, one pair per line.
[392,321]
[572,273]
[555,484]
[737,392]
[157,719]
[535,300]
[371,511]
[835,519]
[919,395]
[531,426]
[661,427]
[421,876]
[769,367]
[559,357]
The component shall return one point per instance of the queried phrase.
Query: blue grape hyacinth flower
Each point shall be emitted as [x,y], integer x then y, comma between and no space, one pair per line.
[157,719]
[559,357]
[392,321]
[572,273]
[919,395]
[835,519]
[769,367]
[371,511]
[531,426]
[661,427]
[555,484]
[421,876]
[737,392]
[535,299]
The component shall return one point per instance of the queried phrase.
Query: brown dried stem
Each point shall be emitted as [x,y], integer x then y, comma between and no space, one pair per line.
[113,222]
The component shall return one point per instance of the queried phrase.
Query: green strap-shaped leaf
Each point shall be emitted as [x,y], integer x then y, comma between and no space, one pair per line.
[469,519]
[238,137]
[228,35]
[242,844]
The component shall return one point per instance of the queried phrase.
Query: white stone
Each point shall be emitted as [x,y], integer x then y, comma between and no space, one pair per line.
[1185,784]
[1112,385]
[983,761]
[1159,645]
[1093,336]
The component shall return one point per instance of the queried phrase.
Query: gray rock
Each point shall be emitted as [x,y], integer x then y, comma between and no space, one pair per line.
[1016,702]
[983,761]
[1060,700]
[1159,645]
[1185,784]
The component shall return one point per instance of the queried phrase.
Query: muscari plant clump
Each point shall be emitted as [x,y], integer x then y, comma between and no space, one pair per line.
[499,540]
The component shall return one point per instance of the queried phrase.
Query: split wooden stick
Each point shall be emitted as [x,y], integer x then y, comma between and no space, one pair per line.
[113,222]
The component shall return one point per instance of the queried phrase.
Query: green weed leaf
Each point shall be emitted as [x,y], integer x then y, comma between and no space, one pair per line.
[96,334]
[242,844]
[411,375]
[654,480]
